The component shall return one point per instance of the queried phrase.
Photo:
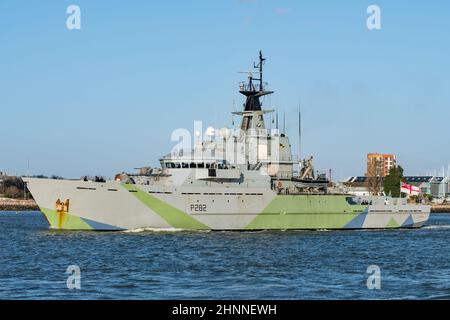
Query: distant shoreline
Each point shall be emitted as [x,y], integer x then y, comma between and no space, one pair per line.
[30,205]
[18,205]
[440,208]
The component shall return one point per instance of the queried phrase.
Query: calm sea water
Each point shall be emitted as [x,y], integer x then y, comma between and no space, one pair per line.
[222,265]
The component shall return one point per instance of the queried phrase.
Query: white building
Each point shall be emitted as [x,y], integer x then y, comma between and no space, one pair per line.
[437,187]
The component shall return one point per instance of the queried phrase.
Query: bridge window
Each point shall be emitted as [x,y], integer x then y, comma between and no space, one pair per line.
[356,201]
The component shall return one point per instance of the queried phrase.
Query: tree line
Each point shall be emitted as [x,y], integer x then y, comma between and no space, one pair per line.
[13,187]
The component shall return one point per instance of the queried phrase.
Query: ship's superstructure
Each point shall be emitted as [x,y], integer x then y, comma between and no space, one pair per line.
[233,180]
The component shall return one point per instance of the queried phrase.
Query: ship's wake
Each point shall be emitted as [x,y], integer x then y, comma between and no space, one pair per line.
[150,229]
[437,226]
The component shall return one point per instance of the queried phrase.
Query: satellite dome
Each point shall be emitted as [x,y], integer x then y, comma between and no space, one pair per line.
[210,131]
[225,133]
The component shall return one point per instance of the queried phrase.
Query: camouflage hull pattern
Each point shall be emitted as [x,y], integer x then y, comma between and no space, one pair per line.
[79,205]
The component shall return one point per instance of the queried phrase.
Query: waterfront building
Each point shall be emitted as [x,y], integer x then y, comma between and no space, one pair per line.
[356,185]
[2,176]
[378,164]
[436,187]
[422,182]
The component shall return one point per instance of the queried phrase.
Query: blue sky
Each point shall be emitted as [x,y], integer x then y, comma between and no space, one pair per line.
[106,98]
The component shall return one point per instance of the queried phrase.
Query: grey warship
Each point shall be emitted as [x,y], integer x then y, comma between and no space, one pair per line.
[234,180]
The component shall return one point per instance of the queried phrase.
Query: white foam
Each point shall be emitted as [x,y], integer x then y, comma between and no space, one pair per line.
[150,229]
[437,226]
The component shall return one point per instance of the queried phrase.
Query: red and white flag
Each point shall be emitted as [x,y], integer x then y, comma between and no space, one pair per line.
[409,189]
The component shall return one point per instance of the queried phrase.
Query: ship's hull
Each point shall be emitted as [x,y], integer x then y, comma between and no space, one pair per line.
[78,205]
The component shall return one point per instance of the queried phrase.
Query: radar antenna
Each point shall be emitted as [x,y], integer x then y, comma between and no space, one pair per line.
[251,91]
[260,67]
